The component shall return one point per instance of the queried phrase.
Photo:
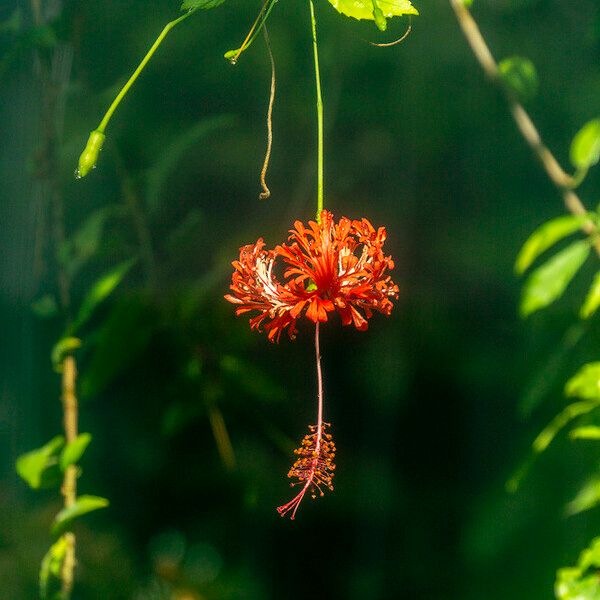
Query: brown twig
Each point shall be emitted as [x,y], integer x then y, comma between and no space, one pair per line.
[69,486]
[562,180]
[266,193]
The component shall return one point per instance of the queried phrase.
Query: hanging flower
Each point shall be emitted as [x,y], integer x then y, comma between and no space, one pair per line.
[327,267]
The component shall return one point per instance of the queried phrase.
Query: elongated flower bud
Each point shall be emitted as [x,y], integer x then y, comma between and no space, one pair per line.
[89,157]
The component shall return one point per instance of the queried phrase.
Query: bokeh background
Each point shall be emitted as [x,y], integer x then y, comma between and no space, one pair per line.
[194,417]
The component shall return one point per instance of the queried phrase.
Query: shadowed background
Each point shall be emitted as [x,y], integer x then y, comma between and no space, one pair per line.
[433,409]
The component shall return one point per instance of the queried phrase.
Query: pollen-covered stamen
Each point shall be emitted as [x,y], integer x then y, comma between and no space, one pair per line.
[314,468]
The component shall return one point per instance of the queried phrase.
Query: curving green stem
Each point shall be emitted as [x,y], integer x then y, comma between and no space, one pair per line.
[140,68]
[89,157]
[319,113]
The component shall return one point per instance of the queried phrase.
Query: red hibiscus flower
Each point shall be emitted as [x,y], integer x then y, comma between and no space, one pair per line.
[327,267]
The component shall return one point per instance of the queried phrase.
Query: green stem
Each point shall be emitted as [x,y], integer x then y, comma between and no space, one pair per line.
[140,68]
[261,20]
[319,113]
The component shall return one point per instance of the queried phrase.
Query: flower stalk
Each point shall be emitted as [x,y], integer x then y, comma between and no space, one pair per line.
[320,136]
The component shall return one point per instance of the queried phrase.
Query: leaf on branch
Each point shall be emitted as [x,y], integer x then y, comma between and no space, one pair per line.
[543,440]
[201,4]
[33,466]
[82,506]
[585,383]
[592,300]
[544,237]
[548,283]
[63,347]
[520,77]
[581,582]
[586,432]
[585,148]
[74,451]
[374,10]
[51,569]
[100,291]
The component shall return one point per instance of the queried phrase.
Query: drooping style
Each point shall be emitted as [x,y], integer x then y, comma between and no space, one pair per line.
[327,267]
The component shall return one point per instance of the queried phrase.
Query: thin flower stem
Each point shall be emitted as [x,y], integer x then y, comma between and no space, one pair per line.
[319,114]
[140,68]
[562,180]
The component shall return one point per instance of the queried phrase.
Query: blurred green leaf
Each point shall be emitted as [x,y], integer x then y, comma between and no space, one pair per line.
[32,465]
[544,237]
[82,506]
[585,148]
[585,383]
[592,300]
[519,76]
[201,4]
[548,283]
[374,11]
[586,432]
[588,497]
[73,451]
[45,307]
[252,380]
[100,291]
[84,243]
[543,440]
[63,347]
[51,569]
[13,23]
[121,338]
[167,163]
[581,582]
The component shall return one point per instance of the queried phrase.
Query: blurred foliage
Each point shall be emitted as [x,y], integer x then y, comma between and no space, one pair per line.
[193,416]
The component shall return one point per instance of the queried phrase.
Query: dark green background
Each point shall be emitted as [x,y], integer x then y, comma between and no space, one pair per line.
[433,409]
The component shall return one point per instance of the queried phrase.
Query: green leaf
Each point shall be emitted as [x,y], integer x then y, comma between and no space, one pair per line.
[544,237]
[100,291]
[374,10]
[585,383]
[82,506]
[588,497]
[585,148]
[51,569]
[548,283]
[519,75]
[586,432]
[84,243]
[581,582]
[543,440]
[63,347]
[32,466]
[592,300]
[74,450]
[201,4]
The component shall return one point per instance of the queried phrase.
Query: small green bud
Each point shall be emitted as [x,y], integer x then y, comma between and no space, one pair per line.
[89,157]
[379,17]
